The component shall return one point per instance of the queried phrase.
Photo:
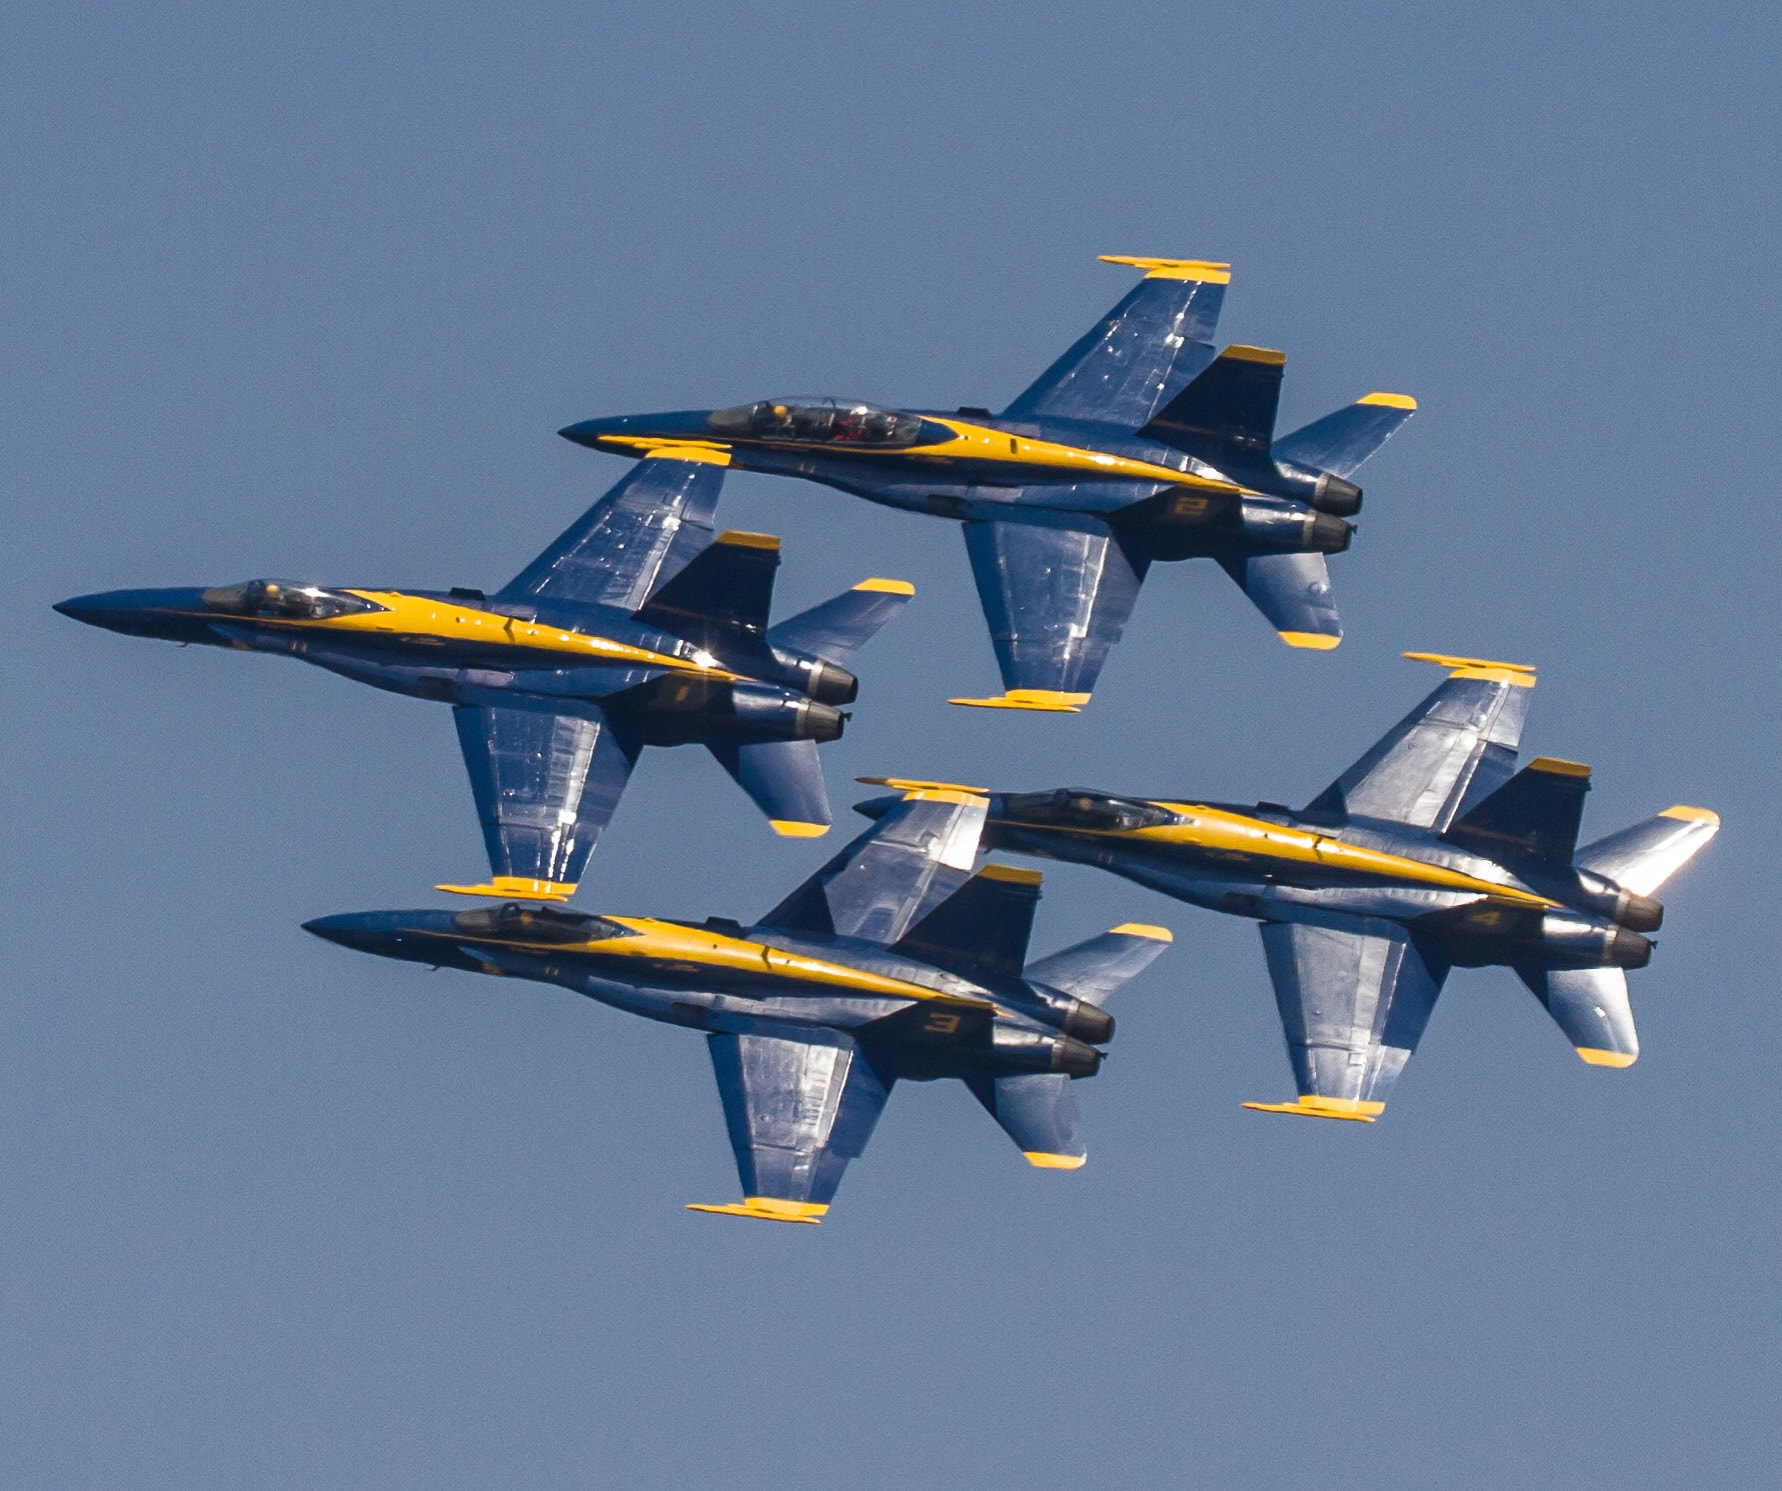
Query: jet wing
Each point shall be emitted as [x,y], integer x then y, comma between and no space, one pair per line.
[889,878]
[633,540]
[1451,751]
[799,1104]
[1138,356]
[1353,1006]
[1056,599]
[545,785]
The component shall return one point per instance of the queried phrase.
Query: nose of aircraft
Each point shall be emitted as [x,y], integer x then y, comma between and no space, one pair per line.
[110,609]
[363,931]
[141,613]
[684,424]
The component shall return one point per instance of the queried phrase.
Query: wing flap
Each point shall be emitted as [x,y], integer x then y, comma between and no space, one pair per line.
[798,1105]
[1353,1004]
[1057,600]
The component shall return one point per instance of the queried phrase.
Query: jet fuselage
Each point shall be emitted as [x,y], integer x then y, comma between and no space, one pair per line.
[982,468]
[463,648]
[1271,864]
[721,977]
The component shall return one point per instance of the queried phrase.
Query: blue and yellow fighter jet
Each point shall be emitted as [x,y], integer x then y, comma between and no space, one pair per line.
[1137,445]
[1431,852]
[892,961]
[636,627]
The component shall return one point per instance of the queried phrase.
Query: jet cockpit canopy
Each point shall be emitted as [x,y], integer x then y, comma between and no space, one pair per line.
[1075,807]
[285,600]
[819,421]
[510,920]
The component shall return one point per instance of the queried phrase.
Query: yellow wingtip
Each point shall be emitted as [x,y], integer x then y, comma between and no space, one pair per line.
[1606,1058]
[1698,815]
[1046,701]
[914,784]
[1389,400]
[1557,766]
[1314,641]
[1522,675]
[1267,356]
[740,538]
[1042,1161]
[1143,929]
[765,1209]
[1312,1106]
[1011,875]
[887,587]
[1206,271]
[517,888]
[790,828]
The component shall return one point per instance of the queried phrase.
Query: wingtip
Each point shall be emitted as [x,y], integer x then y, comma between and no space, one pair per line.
[1042,701]
[1594,1057]
[1390,401]
[1043,1161]
[1204,271]
[791,828]
[515,888]
[881,586]
[738,538]
[1311,641]
[764,1209]
[1698,815]
[1142,929]
[1353,1110]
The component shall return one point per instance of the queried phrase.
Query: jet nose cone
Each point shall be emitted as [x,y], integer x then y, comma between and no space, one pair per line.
[588,431]
[96,610]
[360,931]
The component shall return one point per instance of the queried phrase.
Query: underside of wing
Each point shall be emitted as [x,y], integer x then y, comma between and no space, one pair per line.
[799,1104]
[1455,748]
[634,539]
[1353,1006]
[1056,600]
[1140,354]
[545,785]
[889,878]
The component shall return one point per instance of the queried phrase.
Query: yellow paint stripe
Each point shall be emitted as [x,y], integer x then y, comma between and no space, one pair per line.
[1206,271]
[1522,675]
[1558,767]
[766,1209]
[980,443]
[737,538]
[1043,1161]
[1265,355]
[1316,641]
[887,587]
[1010,875]
[789,828]
[654,446]
[517,887]
[1309,1106]
[1606,1058]
[1048,701]
[910,784]
[1143,929]
[1389,400]
[1699,815]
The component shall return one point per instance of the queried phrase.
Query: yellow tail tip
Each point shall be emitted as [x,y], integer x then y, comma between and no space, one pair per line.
[1389,400]
[1314,641]
[887,587]
[1206,271]
[1042,1161]
[788,828]
[1520,674]
[1695,815]
[1143,929]
[1606,1058]
[738,538]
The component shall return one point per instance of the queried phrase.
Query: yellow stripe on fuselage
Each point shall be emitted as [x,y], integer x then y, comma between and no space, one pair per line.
[1221,832]
[419,616]
[654,941]
[972,442]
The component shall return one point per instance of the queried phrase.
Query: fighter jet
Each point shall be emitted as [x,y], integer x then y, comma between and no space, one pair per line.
[892,961]
[1137,445]
[1431,852]
[636,627]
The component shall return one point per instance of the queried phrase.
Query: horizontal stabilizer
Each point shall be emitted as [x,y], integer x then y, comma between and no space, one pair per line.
[1340,442]
[1643,857]
[784,779]
[1093,970]
[721,599]
[1226,416]
[1038,1111]
[1591,1006]
[1534,815]
[839,628]
[980,931]
[1293,592]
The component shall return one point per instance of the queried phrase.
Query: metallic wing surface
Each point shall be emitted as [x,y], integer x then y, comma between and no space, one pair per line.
[1140,354]
[636,538]
[799,1104]
[1354,1001]
[546,786]
[1456,747]
[1056,599]
[888,879]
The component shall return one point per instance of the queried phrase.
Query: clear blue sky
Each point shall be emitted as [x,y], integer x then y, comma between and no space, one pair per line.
[308,289]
